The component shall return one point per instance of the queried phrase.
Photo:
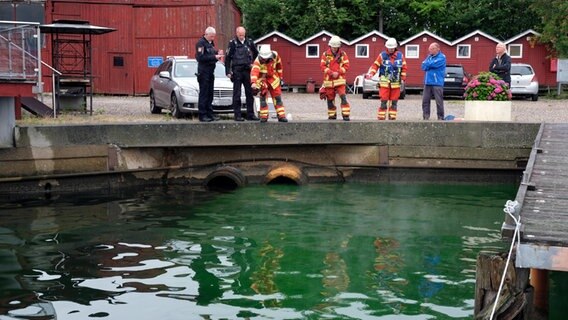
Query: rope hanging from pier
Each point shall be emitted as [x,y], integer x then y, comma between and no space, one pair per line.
[510,208]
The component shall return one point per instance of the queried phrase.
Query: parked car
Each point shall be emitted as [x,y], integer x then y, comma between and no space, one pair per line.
[524,82]
[370,87]
[174,87]
[456,80]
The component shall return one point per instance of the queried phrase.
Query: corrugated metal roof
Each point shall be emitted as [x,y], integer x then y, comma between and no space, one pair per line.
[74,27]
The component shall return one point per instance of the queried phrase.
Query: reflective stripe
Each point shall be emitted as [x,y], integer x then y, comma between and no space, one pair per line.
[334,83]
[392,114]
[345,110]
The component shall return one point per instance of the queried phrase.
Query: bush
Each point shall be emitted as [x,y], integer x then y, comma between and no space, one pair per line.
[487,86]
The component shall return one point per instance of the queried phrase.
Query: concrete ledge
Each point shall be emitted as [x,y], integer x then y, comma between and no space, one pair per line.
[323,151]
[394,133]
[18,162]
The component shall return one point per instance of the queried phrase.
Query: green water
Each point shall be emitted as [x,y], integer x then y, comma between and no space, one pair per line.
[337,251]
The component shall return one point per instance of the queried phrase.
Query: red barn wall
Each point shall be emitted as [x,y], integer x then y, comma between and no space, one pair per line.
[144,28]
[538,58]
[482,52]
[359,66]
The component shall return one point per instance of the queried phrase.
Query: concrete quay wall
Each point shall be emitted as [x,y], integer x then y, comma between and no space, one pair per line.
[199,153]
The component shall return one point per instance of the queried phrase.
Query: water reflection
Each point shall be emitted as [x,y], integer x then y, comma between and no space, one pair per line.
[343,251]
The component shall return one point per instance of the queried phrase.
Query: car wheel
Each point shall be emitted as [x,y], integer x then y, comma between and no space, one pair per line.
[365,95]
[534,97]
[176,113]
[153,107]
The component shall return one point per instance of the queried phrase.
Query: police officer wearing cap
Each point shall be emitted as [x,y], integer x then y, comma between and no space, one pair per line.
[207,57]
[238,63]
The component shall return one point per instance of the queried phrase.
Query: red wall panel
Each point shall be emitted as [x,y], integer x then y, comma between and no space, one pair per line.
[143,29]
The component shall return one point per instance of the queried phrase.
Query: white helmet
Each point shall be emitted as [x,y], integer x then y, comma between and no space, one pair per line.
[391,43]
[335,42]
[265,51]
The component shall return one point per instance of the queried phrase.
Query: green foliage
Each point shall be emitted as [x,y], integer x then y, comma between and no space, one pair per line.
[487,86]
[350,19]
[554,24]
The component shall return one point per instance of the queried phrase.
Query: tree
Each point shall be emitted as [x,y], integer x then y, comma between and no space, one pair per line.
[554,24]
[350,19]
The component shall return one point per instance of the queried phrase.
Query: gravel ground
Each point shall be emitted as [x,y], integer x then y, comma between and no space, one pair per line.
[303,107]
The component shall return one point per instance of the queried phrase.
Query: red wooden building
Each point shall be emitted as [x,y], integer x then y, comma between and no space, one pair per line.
[474,51]
[147,31]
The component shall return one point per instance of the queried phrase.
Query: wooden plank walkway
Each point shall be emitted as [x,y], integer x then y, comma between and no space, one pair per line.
[543,203]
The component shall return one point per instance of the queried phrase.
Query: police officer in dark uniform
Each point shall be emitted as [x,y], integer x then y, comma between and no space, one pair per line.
[206,56]
[238,62]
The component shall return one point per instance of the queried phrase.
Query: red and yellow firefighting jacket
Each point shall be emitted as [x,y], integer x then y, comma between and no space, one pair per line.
[391,67]
[269,72]
[331,63]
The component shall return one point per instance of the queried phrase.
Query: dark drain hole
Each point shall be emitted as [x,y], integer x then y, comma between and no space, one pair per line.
[283,180]
[222,183]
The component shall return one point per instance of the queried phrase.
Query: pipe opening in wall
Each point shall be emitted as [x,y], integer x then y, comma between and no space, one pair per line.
[286,174]
[283,180]
[225,179]
[222,183]
[47,190]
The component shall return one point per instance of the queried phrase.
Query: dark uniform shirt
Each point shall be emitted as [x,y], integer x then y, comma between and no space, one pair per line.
[205,55]
[240,55]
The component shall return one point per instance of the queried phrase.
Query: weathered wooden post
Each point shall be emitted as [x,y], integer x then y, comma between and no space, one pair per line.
[515,301]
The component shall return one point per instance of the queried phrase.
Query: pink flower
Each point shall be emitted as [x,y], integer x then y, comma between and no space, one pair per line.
[498,90]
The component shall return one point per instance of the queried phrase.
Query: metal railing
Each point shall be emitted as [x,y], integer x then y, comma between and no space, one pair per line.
[20,55]
[20,50]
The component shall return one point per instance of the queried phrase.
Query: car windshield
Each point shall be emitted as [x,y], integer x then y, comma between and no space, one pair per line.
[454,71]
[185,69]
[521,70]
[220,70]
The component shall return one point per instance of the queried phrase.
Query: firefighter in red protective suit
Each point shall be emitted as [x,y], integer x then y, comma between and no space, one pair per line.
[391,66]
[334,64]
[266,77]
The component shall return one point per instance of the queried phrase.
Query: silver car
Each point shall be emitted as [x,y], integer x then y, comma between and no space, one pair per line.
[371,87]
[523,81]
[174,87]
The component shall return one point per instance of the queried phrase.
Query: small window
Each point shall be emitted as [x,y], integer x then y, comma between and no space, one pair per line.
[118,61]
[361,51]
[412,51]
[312,51]
[463,51]
[516,50]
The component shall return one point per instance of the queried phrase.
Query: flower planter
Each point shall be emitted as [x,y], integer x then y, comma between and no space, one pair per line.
[487,110]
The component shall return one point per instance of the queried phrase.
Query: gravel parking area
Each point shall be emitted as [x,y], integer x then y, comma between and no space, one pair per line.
[302,107]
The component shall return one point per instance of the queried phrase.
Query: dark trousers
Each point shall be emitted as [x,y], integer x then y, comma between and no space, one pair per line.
[241,77]
[438,93]
[206,84]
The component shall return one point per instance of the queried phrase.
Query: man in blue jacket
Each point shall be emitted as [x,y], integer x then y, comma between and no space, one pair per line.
[435,67]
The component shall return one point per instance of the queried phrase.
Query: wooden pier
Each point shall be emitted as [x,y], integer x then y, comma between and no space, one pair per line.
[542,208]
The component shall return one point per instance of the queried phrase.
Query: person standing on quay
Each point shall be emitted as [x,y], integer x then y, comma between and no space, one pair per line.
[241,53]
[434,67]
[501,64]
[266,77]
[207,57]
[334,64]
[391,66]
